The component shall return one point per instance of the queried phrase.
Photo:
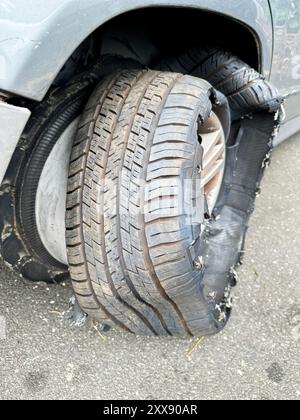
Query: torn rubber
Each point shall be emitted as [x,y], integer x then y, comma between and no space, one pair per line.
[127,285]
[257,112]
[222,243]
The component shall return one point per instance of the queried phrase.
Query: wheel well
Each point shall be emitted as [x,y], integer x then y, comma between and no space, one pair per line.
[165,31]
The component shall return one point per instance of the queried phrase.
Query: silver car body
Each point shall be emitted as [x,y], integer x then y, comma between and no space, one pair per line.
[37,38]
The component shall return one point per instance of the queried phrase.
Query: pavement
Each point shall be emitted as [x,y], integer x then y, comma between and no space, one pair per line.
[43,356]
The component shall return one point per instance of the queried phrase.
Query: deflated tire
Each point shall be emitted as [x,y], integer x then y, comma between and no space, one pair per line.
[136,204]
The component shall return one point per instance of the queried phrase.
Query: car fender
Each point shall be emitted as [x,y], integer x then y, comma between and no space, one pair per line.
[36,39]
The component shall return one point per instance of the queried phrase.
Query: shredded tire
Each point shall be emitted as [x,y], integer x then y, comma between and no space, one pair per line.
[158,276]
[256,111]
[129,263]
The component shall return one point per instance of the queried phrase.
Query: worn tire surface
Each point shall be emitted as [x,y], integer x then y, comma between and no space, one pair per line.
[131,265]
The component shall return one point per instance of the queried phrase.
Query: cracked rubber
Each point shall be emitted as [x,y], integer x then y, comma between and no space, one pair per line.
[128,264]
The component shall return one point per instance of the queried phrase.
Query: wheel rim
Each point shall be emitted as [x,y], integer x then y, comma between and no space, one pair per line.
[214,153]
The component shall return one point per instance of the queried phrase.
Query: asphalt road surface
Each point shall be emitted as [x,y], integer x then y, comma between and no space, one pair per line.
[42,356]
